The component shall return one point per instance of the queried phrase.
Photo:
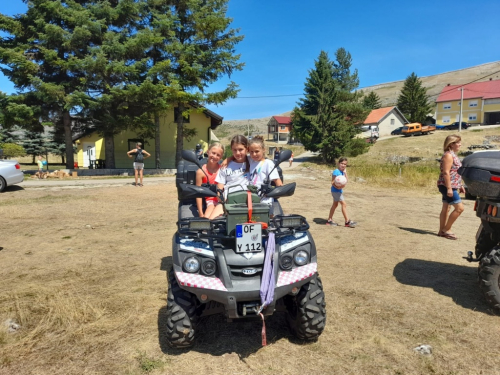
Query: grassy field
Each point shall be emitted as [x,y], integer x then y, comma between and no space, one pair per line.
[84,276]
[409,162]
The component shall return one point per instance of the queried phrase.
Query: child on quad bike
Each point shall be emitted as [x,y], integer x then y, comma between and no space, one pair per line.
[215,153]
[234,177]
[260,166]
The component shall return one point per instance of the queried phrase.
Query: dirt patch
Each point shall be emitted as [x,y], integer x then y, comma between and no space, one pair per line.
[83,275]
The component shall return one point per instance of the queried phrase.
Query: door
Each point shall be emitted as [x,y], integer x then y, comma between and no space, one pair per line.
[88,153]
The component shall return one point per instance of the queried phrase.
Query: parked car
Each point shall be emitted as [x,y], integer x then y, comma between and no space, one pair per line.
[397,131]
[10,173]
[453,126]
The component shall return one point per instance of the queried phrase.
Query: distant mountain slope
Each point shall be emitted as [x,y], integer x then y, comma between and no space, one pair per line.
[388,93]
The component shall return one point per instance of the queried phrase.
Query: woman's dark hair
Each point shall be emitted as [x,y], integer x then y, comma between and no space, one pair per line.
[342,159]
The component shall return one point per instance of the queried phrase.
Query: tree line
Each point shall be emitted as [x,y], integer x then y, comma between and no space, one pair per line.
[333,110]
[111,65]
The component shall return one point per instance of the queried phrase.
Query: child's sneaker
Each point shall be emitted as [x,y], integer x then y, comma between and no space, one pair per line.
[350,224]
[329,222]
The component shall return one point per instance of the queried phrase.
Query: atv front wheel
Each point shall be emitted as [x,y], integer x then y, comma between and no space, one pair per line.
[182,315]
[489,278]
[306,313]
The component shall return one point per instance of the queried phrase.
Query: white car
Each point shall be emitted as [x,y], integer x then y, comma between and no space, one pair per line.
[10,173]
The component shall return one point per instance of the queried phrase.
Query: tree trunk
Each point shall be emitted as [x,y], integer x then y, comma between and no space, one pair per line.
[180,133]
[109,151]
[157,141]
[68,140]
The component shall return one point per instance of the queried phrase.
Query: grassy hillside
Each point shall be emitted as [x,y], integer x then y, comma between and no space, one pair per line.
[388,93]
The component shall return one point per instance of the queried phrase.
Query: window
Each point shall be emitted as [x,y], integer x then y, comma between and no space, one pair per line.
[392,121]
[132,142]
[446,119]
[176,112]
[283,127]
[472,103]
[472,116]
[447,106]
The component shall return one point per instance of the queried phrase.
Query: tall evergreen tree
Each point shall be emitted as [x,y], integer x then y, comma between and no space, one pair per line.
[327,118]
[200,47]
[413,101]
[372,101]
[42,54]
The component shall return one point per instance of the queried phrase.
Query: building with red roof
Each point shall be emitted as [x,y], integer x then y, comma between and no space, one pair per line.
[481,103]
[279,127]
[383,121]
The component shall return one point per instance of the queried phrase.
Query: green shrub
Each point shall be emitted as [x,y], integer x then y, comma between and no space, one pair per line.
[12,150]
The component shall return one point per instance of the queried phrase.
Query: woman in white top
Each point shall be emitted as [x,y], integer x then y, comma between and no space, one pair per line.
[234,177]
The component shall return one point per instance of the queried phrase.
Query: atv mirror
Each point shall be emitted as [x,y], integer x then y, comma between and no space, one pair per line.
[284,155]
[282,191]
[191,157]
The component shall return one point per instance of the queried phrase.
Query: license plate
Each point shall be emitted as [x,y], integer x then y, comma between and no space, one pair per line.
[248,238]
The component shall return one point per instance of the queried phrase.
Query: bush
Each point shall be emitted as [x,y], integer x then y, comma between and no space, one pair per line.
[357,146]
[12,150]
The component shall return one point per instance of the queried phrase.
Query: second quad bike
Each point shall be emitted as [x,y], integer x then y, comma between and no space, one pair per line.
[481,172]
[247,264]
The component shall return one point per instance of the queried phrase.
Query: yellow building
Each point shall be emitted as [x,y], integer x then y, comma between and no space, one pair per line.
[91,147]
[481,103]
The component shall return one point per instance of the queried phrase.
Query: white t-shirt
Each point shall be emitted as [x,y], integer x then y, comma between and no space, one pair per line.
[234,177]
[259,170]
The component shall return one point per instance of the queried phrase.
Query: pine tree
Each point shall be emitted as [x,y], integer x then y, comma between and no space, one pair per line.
[42,54]
[326,119]
[413,101]
[34,144]
[372,101]
[200,48]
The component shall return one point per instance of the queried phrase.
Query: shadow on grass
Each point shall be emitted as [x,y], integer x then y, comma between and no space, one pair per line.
[418,231]
[451,280]
[320,221]
[13,189]
[216,336]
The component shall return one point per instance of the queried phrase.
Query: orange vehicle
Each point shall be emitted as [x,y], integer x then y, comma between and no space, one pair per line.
[416,128]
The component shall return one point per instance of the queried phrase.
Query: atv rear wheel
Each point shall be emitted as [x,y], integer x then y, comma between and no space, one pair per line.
[485,242]
[306,313]
[489,278]
[182,315]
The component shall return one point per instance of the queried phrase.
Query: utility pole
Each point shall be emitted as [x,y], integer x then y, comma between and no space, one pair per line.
[461,105]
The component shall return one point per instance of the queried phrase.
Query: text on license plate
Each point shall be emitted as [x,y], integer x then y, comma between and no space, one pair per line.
[248,238]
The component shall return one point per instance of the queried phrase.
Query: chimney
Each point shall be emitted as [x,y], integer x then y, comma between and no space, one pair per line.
[448,84]
[491,78]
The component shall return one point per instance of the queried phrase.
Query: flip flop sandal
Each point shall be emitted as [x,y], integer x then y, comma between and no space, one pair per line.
[440,234]
[450,236]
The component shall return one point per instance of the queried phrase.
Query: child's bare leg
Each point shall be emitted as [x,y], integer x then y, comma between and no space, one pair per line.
[344,210]
[209,210]
[332,210]
[218,210]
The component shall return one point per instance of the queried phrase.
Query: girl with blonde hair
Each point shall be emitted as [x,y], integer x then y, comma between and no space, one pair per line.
[211,169]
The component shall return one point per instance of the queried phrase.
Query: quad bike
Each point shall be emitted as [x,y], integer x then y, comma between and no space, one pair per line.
[247,264]
[481,173]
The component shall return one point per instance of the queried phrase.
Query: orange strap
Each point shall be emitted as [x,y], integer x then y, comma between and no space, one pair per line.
[250,209]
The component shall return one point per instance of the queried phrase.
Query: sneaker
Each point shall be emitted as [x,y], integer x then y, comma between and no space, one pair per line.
[350,224]
[329,222]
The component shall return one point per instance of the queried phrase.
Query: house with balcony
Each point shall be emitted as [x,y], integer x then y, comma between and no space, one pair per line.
[279,129]
[481,103]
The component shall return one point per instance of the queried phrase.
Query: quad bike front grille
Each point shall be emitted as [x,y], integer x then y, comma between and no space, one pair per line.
[242,273]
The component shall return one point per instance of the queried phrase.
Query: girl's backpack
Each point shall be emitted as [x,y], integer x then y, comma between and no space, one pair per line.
[139,157]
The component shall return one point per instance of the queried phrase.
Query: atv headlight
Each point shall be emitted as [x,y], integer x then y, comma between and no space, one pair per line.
[301,257]
[209,267]
[199,224]
[191,265]
[292,221]
[286,262]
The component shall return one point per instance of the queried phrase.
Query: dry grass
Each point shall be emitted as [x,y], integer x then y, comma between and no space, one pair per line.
[83,273]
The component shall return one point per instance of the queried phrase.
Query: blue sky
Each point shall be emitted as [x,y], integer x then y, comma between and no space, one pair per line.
[388,40]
